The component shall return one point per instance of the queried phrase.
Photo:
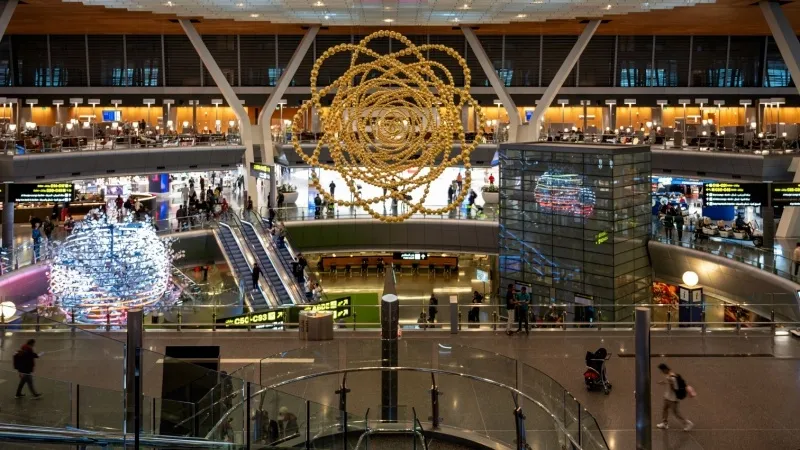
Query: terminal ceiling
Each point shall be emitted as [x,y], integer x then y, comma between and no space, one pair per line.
[554,17]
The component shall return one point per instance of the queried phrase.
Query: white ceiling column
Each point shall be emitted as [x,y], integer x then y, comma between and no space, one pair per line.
[230,97]
[789,46]
[5,17]
[561,76]
[265,116]
[494,80]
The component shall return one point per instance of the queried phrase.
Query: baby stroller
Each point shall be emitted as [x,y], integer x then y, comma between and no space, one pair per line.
[595,374]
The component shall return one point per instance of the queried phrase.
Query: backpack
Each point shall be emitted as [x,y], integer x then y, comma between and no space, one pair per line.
[680,392]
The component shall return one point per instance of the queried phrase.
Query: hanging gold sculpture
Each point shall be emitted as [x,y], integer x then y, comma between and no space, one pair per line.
[391,118]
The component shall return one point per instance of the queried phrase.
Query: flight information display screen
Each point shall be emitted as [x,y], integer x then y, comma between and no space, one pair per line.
[785,194]
[734,194]
[41,192]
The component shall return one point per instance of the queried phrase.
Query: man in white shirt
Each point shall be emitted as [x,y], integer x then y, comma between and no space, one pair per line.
[671,399]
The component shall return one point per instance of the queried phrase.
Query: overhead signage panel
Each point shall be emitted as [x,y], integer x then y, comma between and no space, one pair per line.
[734,194]
[785,194]
[41,192]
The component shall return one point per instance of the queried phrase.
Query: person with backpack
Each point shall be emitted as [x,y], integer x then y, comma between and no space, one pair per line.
[675,392]
[24,363]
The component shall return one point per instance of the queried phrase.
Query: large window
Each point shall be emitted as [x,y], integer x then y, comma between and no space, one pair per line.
[522,60]
[672,61]
[709,56]
[776,73]
[634,61]
[745,61]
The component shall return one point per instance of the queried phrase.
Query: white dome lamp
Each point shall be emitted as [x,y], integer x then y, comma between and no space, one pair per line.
[690,278]
[7,310]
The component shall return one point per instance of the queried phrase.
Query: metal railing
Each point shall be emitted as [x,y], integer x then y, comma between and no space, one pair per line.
[67,144]
[293,214]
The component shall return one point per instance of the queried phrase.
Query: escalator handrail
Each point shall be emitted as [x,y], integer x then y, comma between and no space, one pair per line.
[231,216]
[252,245]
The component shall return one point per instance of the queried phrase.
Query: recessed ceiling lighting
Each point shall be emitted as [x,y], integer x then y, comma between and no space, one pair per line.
[455,19]
[608,7]
[388,20]
[169,4]
[466,6]
[521,16]
[240,5]
[254,15]
[327,17]
[538,2]
[319,4]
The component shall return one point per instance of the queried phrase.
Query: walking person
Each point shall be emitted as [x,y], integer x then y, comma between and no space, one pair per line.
[24,363]
[475,311]
[256,273]
[36,234]
[332,186]
[48,228]
[317,206]
[679,221]
[669,222]
[433,306]
[459,182]
[523,301]
[796,258]
[675,392]
[511,306]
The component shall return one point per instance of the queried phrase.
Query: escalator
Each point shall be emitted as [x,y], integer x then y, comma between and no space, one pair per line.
[269,270]
[286,254]
[241,267]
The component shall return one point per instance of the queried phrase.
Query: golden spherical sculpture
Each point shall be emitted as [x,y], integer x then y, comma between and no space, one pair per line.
[391,118]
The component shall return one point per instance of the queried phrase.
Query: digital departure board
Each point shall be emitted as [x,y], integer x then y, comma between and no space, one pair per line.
[785,194]
[41,192]
[275,318]
[261,171]
[734,194]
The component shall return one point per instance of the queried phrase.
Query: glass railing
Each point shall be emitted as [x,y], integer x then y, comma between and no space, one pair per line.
[67,144]
[28,253]
[743,251]
[295,213]
[480,380]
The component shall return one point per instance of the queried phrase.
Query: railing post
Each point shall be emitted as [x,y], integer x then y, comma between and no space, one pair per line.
[494,320]
[247,417]
[703,324]
[669,321]
[738,325]
[599,320]
[459,320]
[308,424]
[564,320]
[38,327]
[355,317]
[519,421]
[435,393]
[772,322]
[342,391]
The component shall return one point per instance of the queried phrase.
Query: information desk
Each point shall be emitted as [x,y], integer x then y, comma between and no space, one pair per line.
[341,262]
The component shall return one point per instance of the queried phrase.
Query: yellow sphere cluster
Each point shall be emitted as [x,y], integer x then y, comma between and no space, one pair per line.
[391,116]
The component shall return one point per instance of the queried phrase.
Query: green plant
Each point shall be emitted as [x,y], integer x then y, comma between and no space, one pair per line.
[490,188]
[287,188]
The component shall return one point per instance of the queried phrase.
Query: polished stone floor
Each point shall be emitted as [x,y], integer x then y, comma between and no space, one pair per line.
[743,402]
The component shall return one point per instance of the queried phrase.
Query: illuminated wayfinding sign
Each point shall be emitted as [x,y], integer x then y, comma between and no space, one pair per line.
[410,256]
[734,194]
[40,192]
[273,318]
[262,171]
[785,194]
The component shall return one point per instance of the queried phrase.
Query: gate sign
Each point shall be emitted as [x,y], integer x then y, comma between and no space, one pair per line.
[734,194]
[785,194]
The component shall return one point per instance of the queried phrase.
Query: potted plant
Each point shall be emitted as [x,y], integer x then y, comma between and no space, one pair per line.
[289,193]
[490,194]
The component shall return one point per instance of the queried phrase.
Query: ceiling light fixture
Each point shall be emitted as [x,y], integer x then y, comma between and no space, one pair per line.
[319,4]
[169,4]
[521,16]
[466,6]
[387,8]
[254,15]
[455,19]
[240,5]
[388,20]
[608,7]
[327,17]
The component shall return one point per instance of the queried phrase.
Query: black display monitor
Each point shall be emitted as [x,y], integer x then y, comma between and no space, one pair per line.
[785,194]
